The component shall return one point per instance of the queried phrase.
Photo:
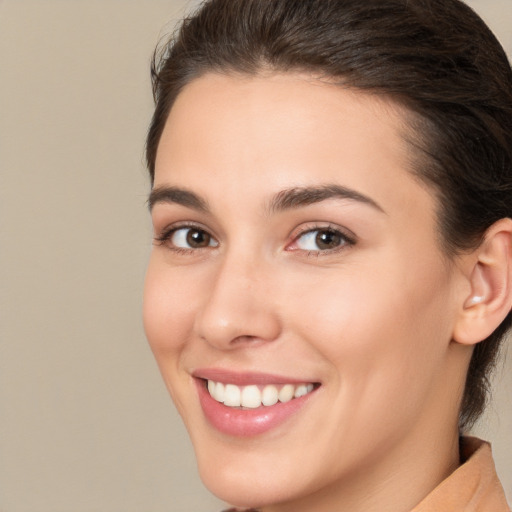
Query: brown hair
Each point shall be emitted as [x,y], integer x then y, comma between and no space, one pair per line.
[435,57]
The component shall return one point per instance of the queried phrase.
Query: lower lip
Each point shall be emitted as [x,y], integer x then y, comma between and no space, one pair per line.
[246,422]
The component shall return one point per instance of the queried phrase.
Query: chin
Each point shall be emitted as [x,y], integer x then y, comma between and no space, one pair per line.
[245,489]
[247,474]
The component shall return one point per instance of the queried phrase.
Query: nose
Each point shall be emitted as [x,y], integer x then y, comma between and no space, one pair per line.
[239,309]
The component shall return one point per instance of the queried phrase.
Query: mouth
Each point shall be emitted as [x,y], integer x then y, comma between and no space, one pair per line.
[244,405]
[254,396]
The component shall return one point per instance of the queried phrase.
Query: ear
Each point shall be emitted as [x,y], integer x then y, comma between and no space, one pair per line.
[490,278]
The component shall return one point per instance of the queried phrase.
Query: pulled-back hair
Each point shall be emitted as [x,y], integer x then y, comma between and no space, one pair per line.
[436,58]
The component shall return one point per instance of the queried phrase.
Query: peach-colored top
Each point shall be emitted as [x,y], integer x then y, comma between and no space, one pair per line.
[472,487]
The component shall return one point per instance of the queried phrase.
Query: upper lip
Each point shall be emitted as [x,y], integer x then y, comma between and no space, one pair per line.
[245,378]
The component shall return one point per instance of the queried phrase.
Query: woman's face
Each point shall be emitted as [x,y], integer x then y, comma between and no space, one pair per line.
[295,254]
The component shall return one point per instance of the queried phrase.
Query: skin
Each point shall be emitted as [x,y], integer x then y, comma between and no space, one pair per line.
[372,321]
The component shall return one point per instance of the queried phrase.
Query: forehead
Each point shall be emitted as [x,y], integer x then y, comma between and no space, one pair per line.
[267,104]
[261,133]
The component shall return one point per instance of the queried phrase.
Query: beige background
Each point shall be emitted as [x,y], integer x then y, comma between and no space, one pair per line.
[85,422]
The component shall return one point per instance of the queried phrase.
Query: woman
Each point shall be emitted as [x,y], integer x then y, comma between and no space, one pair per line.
[331,276]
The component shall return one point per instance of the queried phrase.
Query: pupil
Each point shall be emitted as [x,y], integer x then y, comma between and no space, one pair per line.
[196,238]
[328,239]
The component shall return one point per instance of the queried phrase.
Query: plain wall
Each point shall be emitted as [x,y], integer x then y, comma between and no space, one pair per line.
[85,421]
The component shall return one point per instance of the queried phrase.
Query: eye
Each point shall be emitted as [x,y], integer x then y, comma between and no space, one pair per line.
[321,240]
[188,238]
[192,238]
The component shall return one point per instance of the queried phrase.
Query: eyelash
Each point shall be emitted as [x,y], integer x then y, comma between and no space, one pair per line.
[348,239]
[165,236]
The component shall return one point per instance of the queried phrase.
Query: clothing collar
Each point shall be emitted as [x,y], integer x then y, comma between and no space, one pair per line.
[472,487]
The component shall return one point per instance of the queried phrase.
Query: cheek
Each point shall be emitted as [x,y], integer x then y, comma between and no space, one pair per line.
[168,317]
[384,334]
[167,311]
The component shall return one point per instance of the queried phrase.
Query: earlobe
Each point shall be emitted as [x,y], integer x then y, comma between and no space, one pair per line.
[490,279]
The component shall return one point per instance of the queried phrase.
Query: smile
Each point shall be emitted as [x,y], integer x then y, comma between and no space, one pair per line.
[254,396]
[250,404]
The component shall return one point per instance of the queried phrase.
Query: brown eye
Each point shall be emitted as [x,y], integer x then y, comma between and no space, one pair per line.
[328,239]
[317,240]
[197,238]
[192,238]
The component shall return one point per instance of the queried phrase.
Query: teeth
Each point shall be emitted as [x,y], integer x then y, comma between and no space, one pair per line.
[286,393]
[253,396]
[218,391]
[300,391]
[269,395]
[232,395]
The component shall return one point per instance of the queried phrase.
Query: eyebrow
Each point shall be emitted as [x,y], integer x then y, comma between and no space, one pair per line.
[302,196]
[287,199]
[175,195]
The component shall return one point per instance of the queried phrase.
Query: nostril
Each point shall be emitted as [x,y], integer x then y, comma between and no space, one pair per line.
[246,339]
